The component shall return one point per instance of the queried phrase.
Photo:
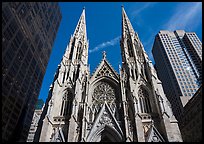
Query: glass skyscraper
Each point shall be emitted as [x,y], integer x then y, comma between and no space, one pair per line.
[28,33]
[178,60]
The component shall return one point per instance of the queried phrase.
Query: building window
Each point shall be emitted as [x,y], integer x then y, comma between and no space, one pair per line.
[72,49]
[67,101]
[23,10]
[29,20]
[40,46]
[6,14]
[130,48]
[144,100]
[79,51]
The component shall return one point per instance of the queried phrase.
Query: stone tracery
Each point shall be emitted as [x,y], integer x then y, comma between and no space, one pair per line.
[103,92]
[104,71]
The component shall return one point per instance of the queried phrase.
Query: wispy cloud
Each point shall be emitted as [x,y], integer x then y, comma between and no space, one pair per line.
[136,14]
[105,44]
[142,8]
[186,15]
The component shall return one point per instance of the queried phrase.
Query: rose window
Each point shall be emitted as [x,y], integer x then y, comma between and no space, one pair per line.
[103,92]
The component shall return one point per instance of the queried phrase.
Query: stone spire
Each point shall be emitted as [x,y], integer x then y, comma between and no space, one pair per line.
[126,25]
[78,44]
[81,26]
[142,88]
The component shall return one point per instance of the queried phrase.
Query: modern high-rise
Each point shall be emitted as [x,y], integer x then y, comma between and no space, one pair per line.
[28,33]
[106,106]
[178,60]
[36,117]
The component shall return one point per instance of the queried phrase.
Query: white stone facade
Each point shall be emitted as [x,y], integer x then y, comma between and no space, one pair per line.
[107,106]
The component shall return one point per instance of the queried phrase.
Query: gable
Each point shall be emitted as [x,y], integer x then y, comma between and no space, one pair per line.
[57,136]
[154,135]
[104,119]
[105,69]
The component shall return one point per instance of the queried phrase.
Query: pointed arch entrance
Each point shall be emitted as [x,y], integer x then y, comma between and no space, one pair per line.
[106,134]
[105,128]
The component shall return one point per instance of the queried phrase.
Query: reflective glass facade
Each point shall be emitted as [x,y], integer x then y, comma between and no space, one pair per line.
[28,33]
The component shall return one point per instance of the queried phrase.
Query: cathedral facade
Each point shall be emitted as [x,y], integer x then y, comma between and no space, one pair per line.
[107,106]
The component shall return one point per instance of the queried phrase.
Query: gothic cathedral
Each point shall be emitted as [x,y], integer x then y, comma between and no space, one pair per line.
[106,106]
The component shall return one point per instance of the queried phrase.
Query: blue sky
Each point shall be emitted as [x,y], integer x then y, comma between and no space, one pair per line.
[103,23]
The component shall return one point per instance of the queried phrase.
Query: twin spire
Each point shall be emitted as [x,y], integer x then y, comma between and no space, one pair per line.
[81,26]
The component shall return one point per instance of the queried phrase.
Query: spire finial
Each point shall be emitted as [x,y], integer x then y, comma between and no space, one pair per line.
[104,54]
[83,7]
[122,6]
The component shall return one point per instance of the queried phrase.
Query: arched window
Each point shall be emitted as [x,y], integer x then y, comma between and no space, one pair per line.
[132,74]
[144,100]
[67,100]
[72,48]
[130,48]
[136,47]
[104,92]
[77,72]
[136,72]
[79,51]
[64,73]
[90,115]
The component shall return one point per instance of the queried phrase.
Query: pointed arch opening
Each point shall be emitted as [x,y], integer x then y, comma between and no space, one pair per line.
[110,135]
[130,48]
[72,49]
[67,101]
[79,51]
[144,100]
[106,134]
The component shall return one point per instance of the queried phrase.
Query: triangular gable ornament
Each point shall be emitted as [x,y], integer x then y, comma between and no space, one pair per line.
[105,69]
[104,118]
[154,135]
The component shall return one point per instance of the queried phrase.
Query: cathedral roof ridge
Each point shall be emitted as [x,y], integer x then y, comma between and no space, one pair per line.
[96,67]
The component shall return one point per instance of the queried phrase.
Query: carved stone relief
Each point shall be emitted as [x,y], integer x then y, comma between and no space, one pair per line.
[55,137]
[105,119]
[154,135]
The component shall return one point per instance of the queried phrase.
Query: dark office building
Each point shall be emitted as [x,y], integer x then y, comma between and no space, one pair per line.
[191,122]
[28,33]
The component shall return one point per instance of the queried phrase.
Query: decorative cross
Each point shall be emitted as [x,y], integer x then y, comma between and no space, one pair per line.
[104,54]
